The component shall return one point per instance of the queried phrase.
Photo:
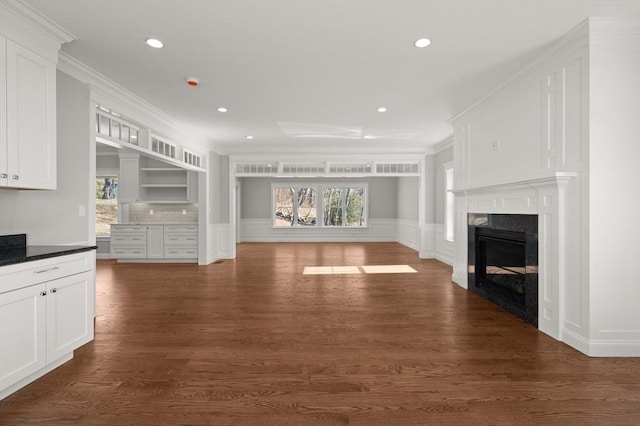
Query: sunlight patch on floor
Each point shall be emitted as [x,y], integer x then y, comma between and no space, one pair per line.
[330,270]
[388,269]
[369,269]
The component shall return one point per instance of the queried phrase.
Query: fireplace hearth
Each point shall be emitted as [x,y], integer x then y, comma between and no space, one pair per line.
[503,261]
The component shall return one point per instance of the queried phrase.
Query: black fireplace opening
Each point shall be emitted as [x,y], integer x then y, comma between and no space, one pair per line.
[503,260]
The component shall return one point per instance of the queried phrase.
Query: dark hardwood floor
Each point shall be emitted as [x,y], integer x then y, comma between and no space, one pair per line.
[253,341]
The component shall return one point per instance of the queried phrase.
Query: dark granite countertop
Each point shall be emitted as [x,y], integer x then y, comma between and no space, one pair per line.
[13,250]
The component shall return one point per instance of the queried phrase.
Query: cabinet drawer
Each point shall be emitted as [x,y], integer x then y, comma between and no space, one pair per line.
[181,228]
[181,239]
[127,228]
[180,253]
[129,252]
[39,271]
[128,239]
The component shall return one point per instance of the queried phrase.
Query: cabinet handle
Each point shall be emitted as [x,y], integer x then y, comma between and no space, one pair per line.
[46,270]
[15,177]
[4,175]
[43,293]
[54,290]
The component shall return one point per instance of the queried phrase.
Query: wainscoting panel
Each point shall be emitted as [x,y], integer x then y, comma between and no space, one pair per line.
[218,242]
[444,248]
[408,233]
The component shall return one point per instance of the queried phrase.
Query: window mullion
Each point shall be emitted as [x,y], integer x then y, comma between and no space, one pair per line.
[295,206]
[344,206]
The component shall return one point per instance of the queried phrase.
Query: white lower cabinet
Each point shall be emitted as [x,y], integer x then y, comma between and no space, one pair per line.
[154,242]
[41,324]
[181,241]
[23,333]
[129,241]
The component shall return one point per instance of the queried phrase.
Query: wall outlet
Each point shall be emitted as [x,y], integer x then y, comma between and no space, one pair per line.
[82,210]
[184,211]
[151,211]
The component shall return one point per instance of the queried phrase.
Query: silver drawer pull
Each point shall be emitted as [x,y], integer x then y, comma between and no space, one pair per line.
[15,177]
[54,290]
[4,175]
[43,293]
[42,271]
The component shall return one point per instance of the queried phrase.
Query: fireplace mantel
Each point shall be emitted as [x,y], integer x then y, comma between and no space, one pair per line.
[556,179]
[545,196]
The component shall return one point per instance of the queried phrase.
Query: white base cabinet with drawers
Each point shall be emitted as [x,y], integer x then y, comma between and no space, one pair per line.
[47,309]
[154,243]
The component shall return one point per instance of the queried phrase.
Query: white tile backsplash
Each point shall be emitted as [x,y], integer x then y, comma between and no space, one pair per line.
[163,213]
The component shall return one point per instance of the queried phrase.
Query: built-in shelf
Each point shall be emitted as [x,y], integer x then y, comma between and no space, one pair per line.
[162,184]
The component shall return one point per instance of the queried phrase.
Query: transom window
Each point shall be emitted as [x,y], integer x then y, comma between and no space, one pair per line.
[319,205]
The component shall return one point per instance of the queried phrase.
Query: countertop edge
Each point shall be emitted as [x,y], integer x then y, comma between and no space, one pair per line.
[58,252]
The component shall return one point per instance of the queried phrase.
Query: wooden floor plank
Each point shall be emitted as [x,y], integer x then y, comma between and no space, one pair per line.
[254,341]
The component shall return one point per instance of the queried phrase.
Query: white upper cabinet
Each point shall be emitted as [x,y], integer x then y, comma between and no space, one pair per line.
[30,145]
[29,49]
[4,170]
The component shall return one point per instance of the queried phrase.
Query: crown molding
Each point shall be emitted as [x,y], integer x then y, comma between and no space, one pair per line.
[132,107]
[37,20]
[442,145]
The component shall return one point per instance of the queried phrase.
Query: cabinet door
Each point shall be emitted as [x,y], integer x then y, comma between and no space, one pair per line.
[129,178]
[69,314]
[31,119]
[4,171]
[22,333]
[155,241]
[192,187]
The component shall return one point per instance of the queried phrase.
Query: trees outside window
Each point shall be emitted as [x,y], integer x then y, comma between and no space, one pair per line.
[339,206]
[294,206]
[106,204]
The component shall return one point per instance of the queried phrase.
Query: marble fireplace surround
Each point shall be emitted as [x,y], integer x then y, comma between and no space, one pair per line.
[543,196]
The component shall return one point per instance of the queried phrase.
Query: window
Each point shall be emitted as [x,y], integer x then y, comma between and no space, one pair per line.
[450,201]
[299,206]
[295,206]
[106,204]
[343,206]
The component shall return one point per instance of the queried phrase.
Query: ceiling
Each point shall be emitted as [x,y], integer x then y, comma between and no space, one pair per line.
[309,75]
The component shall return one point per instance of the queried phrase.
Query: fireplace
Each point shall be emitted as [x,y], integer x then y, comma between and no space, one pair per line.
[503,262]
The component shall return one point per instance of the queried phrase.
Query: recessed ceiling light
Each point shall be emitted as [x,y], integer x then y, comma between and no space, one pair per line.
[249,137]
[382,109]
[154,43]
[369,137]
[222,109]
[422,42]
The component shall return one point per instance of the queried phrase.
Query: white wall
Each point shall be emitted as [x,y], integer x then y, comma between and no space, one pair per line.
[444,248]
[55,217]
[408,225]
[256,221]
[614,191]
[216,208]
[560,140]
